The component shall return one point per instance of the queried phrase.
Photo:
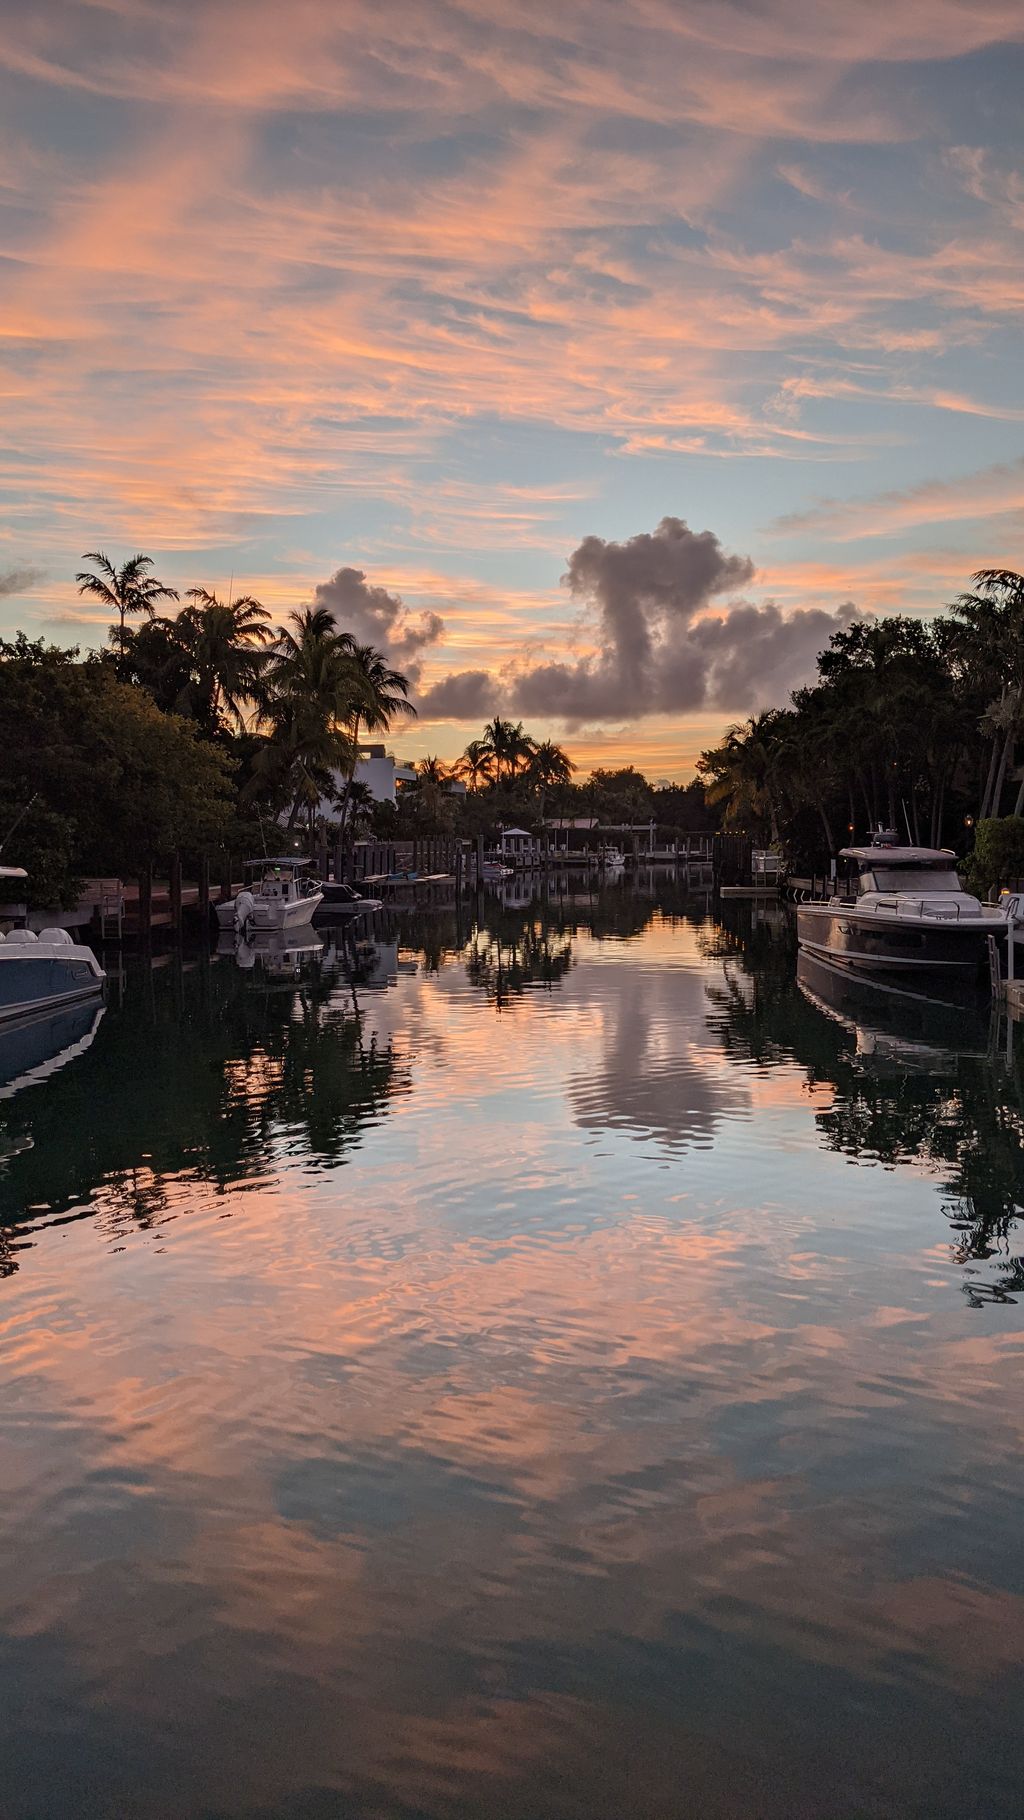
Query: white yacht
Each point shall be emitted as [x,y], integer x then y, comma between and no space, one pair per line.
[39,972]
[908,914]
[280,894]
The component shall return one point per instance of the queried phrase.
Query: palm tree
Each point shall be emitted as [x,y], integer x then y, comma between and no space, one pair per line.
[743,772]
[311,686]
[549,766]
[222,647]
[361,804]
[379,694]
[433,771]
[509,746]
[476,764]
[129,589]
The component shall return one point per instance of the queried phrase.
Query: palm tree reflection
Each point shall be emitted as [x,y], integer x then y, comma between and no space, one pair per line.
[913,1083]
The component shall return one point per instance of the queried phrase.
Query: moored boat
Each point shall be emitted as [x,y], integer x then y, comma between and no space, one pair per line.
[341,899]
[40,972]
[280,895]
[908,914]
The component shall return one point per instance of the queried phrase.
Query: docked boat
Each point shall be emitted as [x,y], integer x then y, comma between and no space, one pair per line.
[907,914]
[611,859]
[40,972]
[340,899]
[280,894]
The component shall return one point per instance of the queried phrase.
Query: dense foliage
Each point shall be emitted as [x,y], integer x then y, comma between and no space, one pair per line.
[912,725]
[112,782]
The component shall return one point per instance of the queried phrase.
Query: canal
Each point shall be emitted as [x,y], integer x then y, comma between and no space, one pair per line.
[555,1366]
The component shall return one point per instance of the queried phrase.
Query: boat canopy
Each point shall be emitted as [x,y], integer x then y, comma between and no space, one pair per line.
[13,872]
[278,864]
[900,856]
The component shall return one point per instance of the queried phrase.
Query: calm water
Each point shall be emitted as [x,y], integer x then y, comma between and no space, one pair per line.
[559,1368]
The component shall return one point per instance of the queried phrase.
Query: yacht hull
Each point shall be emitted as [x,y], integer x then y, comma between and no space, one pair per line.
[871,943]
[33,980]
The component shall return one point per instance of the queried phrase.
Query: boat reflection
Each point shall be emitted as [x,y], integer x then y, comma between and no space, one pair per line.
[915,1082]
[35,1048]
[200,1080]
[895,1027]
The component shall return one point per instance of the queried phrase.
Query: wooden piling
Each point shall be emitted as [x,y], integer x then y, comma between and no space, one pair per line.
[146,901]
[204,889]
[175,892]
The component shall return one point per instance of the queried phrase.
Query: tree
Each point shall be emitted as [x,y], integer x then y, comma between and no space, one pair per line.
[434,771]
[993,644]
[379,695]
[742,774]
[311,685]
[477,764]
[129,589]
[549,766]
[222,651]
[621,795]
[508,745]
[117,783]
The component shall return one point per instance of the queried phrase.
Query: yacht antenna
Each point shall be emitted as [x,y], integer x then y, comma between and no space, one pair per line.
[906,818]
[18,818]
[263,832]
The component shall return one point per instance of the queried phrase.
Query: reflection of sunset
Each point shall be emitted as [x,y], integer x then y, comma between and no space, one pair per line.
[575,1360]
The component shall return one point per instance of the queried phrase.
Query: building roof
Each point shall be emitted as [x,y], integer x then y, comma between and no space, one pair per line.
[523,833]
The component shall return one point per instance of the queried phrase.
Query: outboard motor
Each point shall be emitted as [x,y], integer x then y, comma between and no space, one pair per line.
[245,904]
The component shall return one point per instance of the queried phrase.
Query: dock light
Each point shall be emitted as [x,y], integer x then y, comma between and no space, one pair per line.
[968,821]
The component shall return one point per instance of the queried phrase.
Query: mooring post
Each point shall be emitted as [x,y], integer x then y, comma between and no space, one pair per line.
[204,889]
[146,901]
[225,877]
[175,891]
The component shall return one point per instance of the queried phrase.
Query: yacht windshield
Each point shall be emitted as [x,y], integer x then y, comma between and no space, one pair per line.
[925,881]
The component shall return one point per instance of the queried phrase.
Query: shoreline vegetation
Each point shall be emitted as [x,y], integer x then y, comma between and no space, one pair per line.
[196,727]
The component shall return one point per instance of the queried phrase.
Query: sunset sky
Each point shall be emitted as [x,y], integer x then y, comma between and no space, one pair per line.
[573,352]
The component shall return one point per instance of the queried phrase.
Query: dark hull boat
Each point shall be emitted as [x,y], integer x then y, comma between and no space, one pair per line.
[909,915]
[43,972]
[341,900]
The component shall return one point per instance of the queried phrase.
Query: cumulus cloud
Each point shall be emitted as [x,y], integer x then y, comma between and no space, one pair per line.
[376,617]
[465,695]
[660,647]
[18,581]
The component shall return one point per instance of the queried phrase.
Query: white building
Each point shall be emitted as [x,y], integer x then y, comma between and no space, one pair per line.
[381,772]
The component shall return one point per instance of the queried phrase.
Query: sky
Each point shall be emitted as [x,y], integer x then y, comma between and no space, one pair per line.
[597,360]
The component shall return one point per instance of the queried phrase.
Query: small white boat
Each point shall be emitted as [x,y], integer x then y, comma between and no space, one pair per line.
[493,872]
[611,859]
[40,972]
[280,894]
